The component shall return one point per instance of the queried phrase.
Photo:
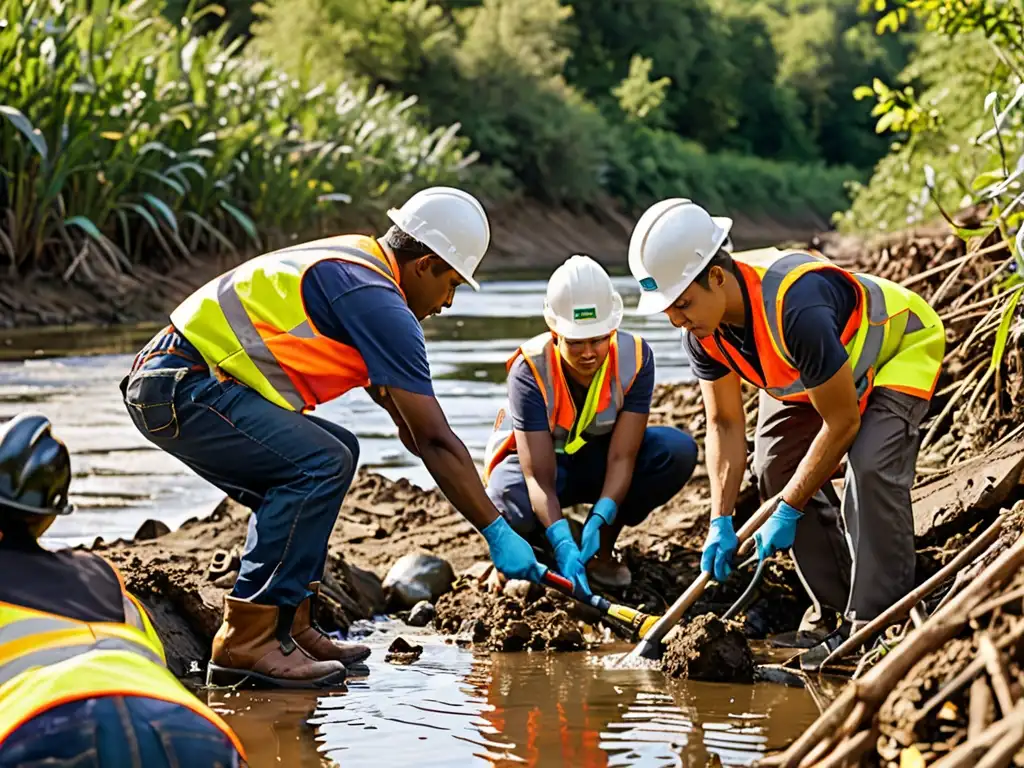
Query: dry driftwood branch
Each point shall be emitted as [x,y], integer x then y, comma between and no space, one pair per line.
[1001,755]
[977,713]
[998,602]
[966,754]
[997,671]
[968,673]
[850,750]
[900,608]
[879,681]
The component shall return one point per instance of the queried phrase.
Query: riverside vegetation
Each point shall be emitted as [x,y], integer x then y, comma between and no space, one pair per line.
[137,134]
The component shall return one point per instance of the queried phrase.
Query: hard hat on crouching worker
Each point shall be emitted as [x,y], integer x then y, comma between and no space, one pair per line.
[671,243]
[450,222]
[35,472]
[581,302]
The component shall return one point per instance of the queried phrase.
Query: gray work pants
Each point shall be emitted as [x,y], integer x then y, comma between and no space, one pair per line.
[860,561]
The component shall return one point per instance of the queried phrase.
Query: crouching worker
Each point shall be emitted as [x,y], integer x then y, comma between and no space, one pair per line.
[846,364]
[227,385]
[576,433]
[83,679]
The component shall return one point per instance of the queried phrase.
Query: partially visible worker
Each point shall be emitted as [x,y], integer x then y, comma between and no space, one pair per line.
[846,364]
[227,386]
[579,396]
[83,678]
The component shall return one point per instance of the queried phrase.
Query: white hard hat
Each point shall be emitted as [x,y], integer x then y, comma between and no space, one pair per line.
[670,245]
[580,302]
[450,222]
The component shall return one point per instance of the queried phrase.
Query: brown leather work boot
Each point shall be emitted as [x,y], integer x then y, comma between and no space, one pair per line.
[311,638]
[253,646]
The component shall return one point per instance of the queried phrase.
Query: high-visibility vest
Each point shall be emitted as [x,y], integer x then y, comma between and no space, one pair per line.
[251,324]
[47,660]
[605,396]
[893,338]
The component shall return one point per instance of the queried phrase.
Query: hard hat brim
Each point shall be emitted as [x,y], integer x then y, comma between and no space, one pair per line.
[654,302]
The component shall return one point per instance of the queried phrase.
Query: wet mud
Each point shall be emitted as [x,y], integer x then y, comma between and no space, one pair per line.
[710,649]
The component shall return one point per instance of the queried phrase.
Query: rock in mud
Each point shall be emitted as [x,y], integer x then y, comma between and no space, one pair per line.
[418,576]
[520,589]
[401,651]
[151,529]
[709,649]
[504,623]
[421,614]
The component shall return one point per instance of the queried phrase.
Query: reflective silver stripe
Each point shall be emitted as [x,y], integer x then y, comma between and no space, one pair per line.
[253,344]
[539,356]
[16,630]
[132,615]
[47,656]
[875,311]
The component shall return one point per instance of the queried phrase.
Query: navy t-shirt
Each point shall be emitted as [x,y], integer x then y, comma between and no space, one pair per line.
[814,313]
[526,403]
[358,307]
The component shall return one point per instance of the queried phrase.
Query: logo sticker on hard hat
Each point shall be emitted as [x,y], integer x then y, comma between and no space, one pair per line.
[584,313]
[649,284]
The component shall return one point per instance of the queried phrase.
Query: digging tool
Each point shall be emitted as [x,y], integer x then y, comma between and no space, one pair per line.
[649,646]
[640,622]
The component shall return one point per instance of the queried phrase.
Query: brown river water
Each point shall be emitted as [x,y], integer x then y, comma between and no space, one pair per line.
[452,707]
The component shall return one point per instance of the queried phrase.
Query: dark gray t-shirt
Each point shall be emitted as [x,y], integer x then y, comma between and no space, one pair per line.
[814,313]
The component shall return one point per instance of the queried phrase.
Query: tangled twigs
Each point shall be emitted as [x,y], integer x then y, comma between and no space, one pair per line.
[863,697]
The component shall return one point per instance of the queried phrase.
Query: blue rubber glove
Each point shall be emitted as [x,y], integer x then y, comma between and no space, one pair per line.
[601,514]
[778,531]
[719,548]
[567,555]
[510,552]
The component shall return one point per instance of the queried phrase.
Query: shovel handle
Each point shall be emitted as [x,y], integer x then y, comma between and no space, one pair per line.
[696,589]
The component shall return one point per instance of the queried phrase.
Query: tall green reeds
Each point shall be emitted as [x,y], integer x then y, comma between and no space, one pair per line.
[127,139]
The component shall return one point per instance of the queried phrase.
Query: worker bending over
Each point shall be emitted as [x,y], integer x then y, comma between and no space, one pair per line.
[846,364]
[578,401]
[226,386]
[83,678]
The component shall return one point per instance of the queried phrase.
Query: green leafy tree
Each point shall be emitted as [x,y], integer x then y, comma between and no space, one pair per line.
[639,96]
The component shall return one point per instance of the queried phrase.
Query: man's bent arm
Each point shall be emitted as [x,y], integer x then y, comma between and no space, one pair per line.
[625,444]
[540,468]
[836,402]
[445,456]
[382,397]
[725,446]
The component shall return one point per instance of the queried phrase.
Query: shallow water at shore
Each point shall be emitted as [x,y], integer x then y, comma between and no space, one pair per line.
[453,707]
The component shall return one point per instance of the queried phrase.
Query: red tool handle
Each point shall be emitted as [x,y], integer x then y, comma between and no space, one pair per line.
[552,579]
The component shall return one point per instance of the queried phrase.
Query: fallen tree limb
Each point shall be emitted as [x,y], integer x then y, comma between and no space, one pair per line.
[966,754]
[1001,755]
[850,750]
[997,671]
[901,608]
[979,702]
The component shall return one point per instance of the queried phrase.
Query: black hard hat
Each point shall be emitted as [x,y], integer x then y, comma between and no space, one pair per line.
[35,472]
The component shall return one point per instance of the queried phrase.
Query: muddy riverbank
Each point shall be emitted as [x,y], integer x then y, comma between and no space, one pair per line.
[527,238]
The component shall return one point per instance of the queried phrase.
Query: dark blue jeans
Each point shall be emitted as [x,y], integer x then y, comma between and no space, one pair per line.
[118,732]
[664,463]
[292,470]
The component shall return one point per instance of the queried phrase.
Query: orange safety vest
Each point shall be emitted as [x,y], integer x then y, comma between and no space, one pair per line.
[893,337]
[625,357]
[251,324]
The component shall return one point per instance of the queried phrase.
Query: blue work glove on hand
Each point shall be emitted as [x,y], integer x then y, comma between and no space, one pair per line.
[567,555]
[510,552]
[778,531]
[601,514]
[719,548]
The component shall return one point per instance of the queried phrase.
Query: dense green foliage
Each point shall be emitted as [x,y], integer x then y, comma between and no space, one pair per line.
[563,94]
[125,138]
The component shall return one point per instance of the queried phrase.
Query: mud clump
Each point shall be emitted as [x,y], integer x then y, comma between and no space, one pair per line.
[505,623]
[401,651]
[709,649]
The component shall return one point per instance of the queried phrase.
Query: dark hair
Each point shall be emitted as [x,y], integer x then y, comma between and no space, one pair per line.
[721,259]
[407,248]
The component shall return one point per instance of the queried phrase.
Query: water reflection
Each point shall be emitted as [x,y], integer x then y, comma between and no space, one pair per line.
[454,708]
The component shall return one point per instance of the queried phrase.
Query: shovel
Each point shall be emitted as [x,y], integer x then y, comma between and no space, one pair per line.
[640,622]
[649,646]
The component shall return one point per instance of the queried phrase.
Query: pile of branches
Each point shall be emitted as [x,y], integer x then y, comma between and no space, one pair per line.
[951,691]
[974,283]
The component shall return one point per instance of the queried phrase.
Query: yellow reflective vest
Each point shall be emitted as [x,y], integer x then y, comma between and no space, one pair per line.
[47,660]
